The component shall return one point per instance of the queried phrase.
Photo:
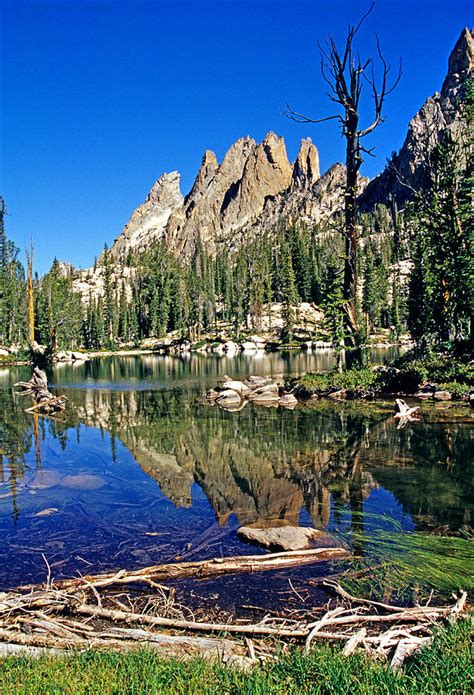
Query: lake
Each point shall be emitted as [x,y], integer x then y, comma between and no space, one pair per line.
[143,470]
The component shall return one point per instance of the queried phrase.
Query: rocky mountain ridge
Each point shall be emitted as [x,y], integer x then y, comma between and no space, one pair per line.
[240,194]
[255,186]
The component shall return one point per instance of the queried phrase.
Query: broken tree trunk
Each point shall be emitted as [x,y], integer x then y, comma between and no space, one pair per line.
[37,387]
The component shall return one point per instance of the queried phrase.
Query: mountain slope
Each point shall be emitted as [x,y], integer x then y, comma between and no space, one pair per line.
[441,114]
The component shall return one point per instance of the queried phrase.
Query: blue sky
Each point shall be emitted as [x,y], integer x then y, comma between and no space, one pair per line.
[99,98]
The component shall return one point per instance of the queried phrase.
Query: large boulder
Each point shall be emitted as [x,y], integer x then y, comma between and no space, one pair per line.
[442,396]
[248,346]
[288,400]
[230,347]
[285,537]
[256,381]
[228,397]
[238,386]
[263,391]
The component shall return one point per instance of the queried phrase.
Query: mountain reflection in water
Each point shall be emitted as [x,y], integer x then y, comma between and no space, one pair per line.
[73,491]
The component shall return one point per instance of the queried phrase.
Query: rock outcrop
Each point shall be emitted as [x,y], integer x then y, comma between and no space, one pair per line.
[441,114]
[229,202]
[285,537]
[149,221]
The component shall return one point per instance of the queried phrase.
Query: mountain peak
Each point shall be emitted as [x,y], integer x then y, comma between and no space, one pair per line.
[306,167]
[165,188]
[441,113]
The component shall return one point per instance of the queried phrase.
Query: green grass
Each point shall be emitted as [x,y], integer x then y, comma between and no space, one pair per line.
[364,379]
[446,372]
[402,561]
[445,667]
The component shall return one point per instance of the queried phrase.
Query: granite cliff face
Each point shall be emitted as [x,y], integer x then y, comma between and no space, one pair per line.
[441,114]
[149,221]
[246,192]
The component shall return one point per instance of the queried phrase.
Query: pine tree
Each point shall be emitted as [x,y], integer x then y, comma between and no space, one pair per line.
[109,307]
[12,290]
[288,292]
[442,280]
[333,305]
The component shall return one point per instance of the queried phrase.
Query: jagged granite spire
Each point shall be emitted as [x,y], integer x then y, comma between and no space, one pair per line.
[306,167]
[148,222]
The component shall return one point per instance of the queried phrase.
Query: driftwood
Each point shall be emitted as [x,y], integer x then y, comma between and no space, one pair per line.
[86,612]
[405,414]
[37,387]
[207,568]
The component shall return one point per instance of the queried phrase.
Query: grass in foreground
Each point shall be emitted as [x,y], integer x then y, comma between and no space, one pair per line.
[445,667]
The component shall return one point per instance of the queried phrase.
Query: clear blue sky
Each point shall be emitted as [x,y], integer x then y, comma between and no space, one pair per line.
[99,98]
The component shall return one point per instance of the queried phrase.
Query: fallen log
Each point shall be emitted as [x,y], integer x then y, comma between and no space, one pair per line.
[207,568]
[123,639]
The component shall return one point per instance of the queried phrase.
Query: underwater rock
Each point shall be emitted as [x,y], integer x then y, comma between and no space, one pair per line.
[43,480]
[47,512]
[83,482]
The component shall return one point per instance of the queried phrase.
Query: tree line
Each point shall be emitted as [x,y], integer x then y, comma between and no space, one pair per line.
[432,238]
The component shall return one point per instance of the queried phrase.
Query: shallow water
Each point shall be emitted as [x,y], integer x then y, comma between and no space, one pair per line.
[143,470]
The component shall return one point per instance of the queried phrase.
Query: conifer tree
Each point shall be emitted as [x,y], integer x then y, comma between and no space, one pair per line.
[442,281]
[109,309]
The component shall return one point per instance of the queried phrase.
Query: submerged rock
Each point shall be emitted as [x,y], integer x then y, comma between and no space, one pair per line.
[47,512]
[44,480]
[83,482]
[285,537]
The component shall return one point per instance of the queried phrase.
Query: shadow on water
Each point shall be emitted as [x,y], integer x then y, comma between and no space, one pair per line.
[143,471]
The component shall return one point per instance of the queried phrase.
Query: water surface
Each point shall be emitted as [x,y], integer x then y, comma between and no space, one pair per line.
[143,470]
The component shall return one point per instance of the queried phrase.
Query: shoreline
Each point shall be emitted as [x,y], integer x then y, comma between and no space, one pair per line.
[208,351]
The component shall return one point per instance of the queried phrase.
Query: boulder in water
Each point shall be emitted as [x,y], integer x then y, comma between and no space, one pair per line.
[43,480]
[286,537]
[83,482]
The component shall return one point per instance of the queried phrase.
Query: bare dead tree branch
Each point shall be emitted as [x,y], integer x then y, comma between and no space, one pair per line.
[346,74]
[300,118]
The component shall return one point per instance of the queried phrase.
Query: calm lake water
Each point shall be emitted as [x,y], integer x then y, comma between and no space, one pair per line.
[144,471]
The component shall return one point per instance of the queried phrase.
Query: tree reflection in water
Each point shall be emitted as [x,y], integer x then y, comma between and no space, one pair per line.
[316,465]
